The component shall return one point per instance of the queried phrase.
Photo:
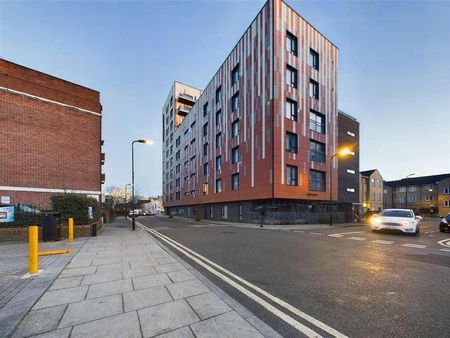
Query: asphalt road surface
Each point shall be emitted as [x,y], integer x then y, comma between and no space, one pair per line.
[338,281]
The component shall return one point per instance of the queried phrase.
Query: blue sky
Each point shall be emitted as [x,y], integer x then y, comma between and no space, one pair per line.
[394,71]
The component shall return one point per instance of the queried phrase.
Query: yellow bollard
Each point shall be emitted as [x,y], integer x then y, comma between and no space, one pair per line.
[71,230]
[55,252]
[33,260]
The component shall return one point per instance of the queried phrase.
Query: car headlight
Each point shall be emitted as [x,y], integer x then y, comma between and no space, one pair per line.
[405,223]
[444,221]
[376,221]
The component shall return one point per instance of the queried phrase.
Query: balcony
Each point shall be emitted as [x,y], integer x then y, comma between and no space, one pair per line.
[102,158]
[102,178]
[186,98]
[183,110]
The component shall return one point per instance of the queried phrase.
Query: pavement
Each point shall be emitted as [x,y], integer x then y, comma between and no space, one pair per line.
[329,281]
[126,283]
[18,292]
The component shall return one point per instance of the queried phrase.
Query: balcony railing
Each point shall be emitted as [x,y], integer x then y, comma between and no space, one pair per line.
[183,110]
[102,158]
[186,98]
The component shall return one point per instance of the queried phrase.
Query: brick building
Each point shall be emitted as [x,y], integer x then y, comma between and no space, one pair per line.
[264,129]
[427,195]
[371,190]
[50,137]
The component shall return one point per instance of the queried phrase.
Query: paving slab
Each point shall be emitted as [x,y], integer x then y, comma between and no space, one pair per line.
[187,289]
[64,283]
[166,317]
[180,276]
[229,325]
[138,272]
[169,267]
[150,281]
[125,325]
[140,299]
[78,271]
[207,305]
[64,296]
[39,321]
[62,333]
[109,288]
[183,332]
[100,277]
[91,309]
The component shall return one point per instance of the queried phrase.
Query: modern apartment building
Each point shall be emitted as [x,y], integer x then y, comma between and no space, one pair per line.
[428,195]
[371,185]
[348,169]
[50,137]
[264,129]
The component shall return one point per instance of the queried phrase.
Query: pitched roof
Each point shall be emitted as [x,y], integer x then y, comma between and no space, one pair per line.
[417,180]
[367,173]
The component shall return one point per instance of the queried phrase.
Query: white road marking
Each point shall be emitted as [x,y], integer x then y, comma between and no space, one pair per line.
[287,318]
[380,241]
[446,250]
[316,233]
[300,231]
[340,234]
[419,246]
[358,238]
[445,242]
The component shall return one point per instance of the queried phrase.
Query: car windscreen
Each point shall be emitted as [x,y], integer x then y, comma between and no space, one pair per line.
[396,213]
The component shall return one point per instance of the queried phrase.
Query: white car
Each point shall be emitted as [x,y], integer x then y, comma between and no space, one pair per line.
[397,219]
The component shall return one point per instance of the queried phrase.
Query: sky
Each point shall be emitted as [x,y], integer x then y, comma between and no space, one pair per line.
[394,69]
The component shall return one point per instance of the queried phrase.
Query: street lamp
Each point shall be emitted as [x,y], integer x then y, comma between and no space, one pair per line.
[133,223]
[340,153]
[406,186]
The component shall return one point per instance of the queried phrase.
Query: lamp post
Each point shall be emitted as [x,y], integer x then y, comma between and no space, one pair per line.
[342,152]
[406,186]
[133,222]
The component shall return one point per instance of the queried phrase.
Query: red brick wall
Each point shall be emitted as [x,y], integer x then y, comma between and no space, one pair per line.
[46,145]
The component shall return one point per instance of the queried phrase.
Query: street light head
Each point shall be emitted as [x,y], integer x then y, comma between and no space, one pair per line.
[149,142]
[344,152]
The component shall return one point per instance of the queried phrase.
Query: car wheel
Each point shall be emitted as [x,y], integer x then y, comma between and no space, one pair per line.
[417,231]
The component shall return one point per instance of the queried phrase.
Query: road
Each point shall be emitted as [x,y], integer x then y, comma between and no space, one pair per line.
[340,280]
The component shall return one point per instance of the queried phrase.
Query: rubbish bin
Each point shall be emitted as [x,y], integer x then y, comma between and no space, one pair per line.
[94,230]
[51,229]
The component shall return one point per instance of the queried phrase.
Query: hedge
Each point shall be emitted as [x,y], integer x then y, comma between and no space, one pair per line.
[76,206]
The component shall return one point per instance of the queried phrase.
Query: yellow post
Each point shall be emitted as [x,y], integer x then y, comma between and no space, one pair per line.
[71,230]
[33,260]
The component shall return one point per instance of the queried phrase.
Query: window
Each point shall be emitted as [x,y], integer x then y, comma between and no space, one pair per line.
[316,151]
[412,199]
[192,159]
[205,188]
[314,89]
[291,76]
[218,185]
[235,182]
[177,195]
[350,189]
[178,141]
[428,187]
[218,94]
[314,59]
[447,191]
[192,125]
[291,109]
[177,182]
[193,140]
[205,129]
[351,171]
[402,189]
[218,163]
[235,155]
[177,155]
[219,117]
[235,129]
[235,102]
[205,109]
[316,122]
[205,169]
[177,169]
[291,43]
[446,204]
[291,142]
[401,199]
[224,212]
[205,149]
[218,140]
[349,133]
[235,75]
[412,188]
[316,180]
[291,175]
